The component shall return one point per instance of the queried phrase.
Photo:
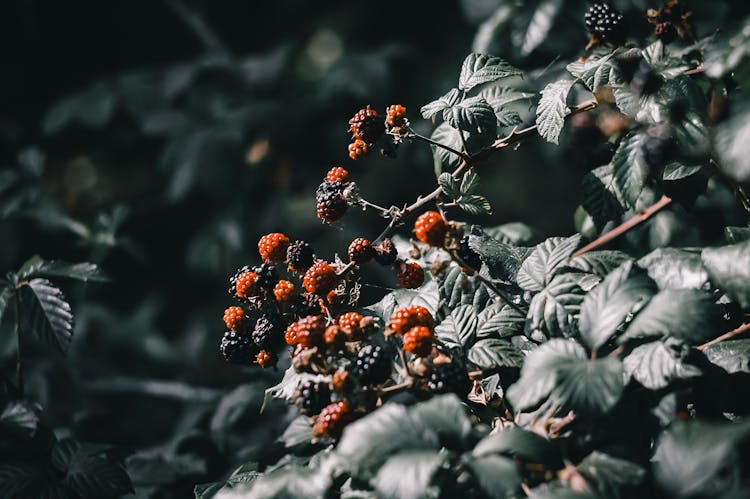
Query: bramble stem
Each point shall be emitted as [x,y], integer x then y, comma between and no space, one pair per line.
[731,334]
[417,136]
[397,388]
[626,226]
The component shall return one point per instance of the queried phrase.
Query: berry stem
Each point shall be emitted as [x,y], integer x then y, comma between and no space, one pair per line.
[626,226]
[384,212]
[414,135]
[731,334]
[397,388]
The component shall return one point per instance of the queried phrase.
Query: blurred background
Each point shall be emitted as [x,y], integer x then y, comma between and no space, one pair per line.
[161,138]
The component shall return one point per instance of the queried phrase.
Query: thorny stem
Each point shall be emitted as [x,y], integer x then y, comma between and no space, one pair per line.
[731,334]
[383,211]
[626,226]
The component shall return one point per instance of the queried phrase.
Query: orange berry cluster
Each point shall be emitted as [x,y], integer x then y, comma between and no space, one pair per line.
[367,127]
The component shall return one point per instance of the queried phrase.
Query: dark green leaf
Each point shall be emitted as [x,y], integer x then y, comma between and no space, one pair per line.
[538,269]
[88,473]
[6,294]
[445,416]
[474,205]
[451,137]
[515,441]
[473,115]
[515,233]
[602,198]
[732,356]
[446,101]
[729,269]
[688,314]
[655,365]
[589,387]
[552,109]
[493,352]
[594,72]
[50,314]
[606,307]
[291,482]
[500,320]
[673,268]
[21,480]
[731,140]
[450,186]
[555,309]
[676,170]
[541,24]
[459,328]
[630,169]
[482,68]
[469,183]
[503,260]
[610,476]
[497,476]
[37,267]
[457,288]
[599,263]
[409,475]
[19,418]
[737,234]
[241,403]
[499,96]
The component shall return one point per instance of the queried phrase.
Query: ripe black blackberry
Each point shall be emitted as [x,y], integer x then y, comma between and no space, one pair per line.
[468,255]
[386,252]
[605,23]
[312,397]
[268,276]
[450,378]
[373,365]
[267,331]
[307,304]
[300,256]
[367,125]
[360,251]
[331,204]
[235,276]
[238,348]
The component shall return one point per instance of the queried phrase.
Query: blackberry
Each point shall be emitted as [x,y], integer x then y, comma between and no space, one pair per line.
[367,125]
[332,420]
[300,256]
[467,255]
[385,252]
[373,365]
[238,348]
[605,23]
[266,327]
[331,203]
[360,251]
[450,378]
[320,278]
[410,275]
[272,247]
[419,340]
[307,304]
[358,149]
[430,228]
[267,276]
[395,116]
[312,397]
[337,174]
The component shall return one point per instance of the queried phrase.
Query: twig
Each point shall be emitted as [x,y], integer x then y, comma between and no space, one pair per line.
[397,388]
[731,334]
[458,153]
[626,226]
[199,27]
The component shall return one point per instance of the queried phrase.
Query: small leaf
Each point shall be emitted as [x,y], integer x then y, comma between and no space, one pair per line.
[610,476]
[655,365]
[594,72]
[599,263]
[446,101]
[499,320]
[552,109]
[732,356]
[451,137]
[450,186]
[481,68]
[473,115]
[470,183]
[20,418]
[729,269]
[602,198]
[492,352]
[410,475]
[497,476]
[604,308]
[459,328]
[676,170]
[502,259]
[499,96]
[555,309]
[673,268]
[51,317]
[538,269]
[474,205]
[515,441]
[630,169]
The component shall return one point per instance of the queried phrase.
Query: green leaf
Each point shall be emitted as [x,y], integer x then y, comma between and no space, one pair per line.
[677,170]
[242,403]
[610,476]
[514,233]
[19,418]
[451,187]
[598,263]
[594,72]
[497,476]
[445,416]
[552,109]
[285,390]
[50,314]
[493,352]
[589,388]
[732,356]
[499,96]
[89,474]
[410,475]
[630,169]
[37,267]
[499,320]
[605,308]
[441,104]
[473,115]
[22,480]
[555,309]
[541,24]
[700,459]
[459,328]
[470,183]
[481,68]
[688,314]
[515,441]
[284,483]
[427,296]
[451,137]
[655,365]
[502,259]
[474,205]
[6,294]
[602,198]
[729,269]
[731,142]
[457,288]
[737,234]
[673,268]
[538,269]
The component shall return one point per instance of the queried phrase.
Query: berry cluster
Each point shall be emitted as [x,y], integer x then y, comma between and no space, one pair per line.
[368,127]
[605,24]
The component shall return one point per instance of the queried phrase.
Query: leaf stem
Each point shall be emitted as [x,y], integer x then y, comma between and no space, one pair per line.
[626,226]
[731,334]
[458,153]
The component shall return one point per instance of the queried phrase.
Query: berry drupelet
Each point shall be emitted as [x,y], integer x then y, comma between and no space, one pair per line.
[247,285]
[395,116]
[351,324]
[332,420]
[419,340]
[403,319]
[337,174]
[283,291]
[310,331]
[234,318]
[358,149]
[265,359]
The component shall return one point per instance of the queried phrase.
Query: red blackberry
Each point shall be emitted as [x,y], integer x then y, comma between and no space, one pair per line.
[331,203]
[272,247]
[410,275]
[467,255]
[395,116]
[605,23]
[310,331]
[332,420]
[247,285]
[350,323]
[385,252]
[367,125]
[450,378]
[299,256]
[234,318]
[341,381]
[320,278]
[361,251]
[373,365]
[266,330]
[238,348]
[265,359]
[312,397]
[334,299]
[430,228]
[334,336]
[267,276]
[283,291]
[307,304]
[290,335]
[403,319]
[358,149]
[337,174]
[419,340]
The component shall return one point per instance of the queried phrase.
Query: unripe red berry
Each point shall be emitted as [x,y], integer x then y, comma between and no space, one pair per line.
[283,291]
[265,359]
[350,323]
[403,319]
[395,116]
[320,278]
[247,285]
[410,275]
[332,420]
[430,228]
[337,174]
[310,331]
[358,149]
[360,251]
[367,125]
[334,336]
[272,247]
[419,340]
[234,318]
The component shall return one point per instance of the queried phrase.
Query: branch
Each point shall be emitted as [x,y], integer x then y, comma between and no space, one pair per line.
[731,334]
[626,226]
